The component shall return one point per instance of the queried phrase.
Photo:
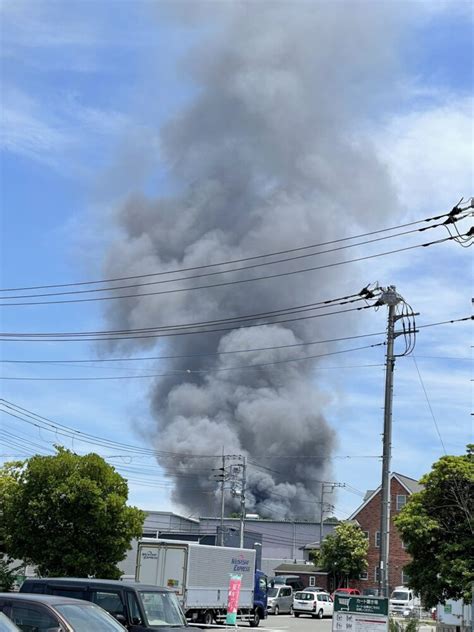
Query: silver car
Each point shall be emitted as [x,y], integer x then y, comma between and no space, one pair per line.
[280,599]
[56,614]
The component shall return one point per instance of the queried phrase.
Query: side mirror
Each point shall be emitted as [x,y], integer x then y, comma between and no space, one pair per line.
[136,621]
[121,619]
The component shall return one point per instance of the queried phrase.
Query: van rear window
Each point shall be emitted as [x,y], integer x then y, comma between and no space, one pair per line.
[33,588]
[73,593]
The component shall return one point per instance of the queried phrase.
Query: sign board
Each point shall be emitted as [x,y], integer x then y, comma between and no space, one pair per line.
[233,599]
[360,614]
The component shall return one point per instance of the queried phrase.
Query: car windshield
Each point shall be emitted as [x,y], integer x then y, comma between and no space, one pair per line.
[400,595]
[272,592]
[162,608]
[305,596]
[88,618]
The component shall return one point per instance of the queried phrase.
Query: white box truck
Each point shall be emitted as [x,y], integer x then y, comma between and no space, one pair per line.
[200,576]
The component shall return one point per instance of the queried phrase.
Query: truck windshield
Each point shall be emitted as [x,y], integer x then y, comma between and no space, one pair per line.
[399,595]
[162,608]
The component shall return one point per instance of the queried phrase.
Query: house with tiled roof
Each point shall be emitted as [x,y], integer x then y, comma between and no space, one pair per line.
[368,517]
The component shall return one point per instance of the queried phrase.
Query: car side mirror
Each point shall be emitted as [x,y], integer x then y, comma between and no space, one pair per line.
[121,619]
[136,621]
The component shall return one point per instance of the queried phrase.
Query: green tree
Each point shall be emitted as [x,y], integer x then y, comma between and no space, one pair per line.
[8,570]
[344,553]
[67,514]
[436,526]
[8,573]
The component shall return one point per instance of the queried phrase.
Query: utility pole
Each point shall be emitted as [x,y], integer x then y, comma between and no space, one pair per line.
[221,535]
[242,501]
[325,488]
[222,477]
[391,298]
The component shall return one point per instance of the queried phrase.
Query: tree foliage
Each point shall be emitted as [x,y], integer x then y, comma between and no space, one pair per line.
[67,514]
[344,553]
[436,526]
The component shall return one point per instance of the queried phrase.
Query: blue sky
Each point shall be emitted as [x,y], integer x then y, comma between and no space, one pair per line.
[88,86]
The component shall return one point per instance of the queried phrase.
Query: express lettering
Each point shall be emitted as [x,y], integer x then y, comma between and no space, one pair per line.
[241,565]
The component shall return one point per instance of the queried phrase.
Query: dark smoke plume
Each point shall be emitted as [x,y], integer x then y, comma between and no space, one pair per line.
[267,156]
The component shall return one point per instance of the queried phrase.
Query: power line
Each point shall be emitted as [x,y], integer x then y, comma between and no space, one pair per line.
[435,423]
[62,430]
[155,375]
[228,262]
[81,337]
[216,273]
[231,351]
[238,281]
[295,309]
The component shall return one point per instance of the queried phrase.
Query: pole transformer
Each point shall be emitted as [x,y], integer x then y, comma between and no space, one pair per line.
[325,488]
[391,298]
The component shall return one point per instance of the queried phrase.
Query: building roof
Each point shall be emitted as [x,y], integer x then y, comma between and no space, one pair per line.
[267,520]
[152,512]
[310,546]
[299,569]
[410,484]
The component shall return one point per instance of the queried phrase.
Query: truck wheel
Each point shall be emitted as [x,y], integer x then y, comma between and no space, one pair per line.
[208,617]
[254,622]
[320,614]
[277,610]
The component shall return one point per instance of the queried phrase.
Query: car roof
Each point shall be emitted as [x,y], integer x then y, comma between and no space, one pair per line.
[52,600]
[83,581]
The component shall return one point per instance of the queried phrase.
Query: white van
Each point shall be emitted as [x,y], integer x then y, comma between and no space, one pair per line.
[403,601]
[316,604]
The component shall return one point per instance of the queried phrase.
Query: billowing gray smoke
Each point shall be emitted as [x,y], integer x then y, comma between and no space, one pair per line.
[268,155]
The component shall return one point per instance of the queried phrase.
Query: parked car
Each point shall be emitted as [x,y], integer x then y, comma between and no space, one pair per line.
[139,607]
[316,604]
[54,614]
[370,592]
[287,580]
[280,599]
[6,625]
[353,592]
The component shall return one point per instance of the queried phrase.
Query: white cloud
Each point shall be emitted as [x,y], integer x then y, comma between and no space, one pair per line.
[59,133]
[429,153]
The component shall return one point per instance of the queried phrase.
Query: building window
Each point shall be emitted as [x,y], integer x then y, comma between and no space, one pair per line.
[377,539]
[377,574]
[364,575]
[312,580]
[367,534]
[405,578]
[401,501]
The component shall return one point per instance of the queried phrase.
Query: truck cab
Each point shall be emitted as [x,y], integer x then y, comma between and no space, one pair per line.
[403,601]
[260,596]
